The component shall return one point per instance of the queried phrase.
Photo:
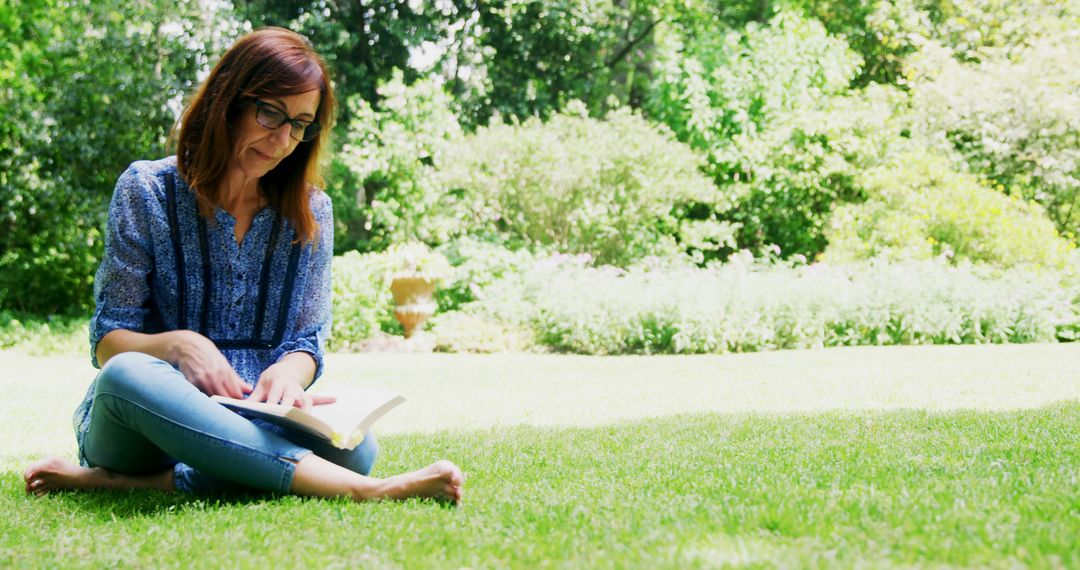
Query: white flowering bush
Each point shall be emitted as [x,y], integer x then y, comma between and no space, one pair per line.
[749,306]
[564,303]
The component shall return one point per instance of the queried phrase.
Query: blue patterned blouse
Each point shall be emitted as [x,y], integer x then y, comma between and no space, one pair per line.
[137,286]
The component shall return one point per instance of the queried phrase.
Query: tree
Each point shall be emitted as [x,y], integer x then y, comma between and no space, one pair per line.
[363,42]
[86,90]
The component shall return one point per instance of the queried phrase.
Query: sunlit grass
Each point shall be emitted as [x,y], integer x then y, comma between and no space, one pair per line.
[909,487]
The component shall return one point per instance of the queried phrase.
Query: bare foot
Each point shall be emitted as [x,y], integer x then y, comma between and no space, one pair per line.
[441,480]
[55,474]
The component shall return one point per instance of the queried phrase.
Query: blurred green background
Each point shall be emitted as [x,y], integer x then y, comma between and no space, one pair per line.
[924,152]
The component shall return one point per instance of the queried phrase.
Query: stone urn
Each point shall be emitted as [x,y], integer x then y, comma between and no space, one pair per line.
[414,300]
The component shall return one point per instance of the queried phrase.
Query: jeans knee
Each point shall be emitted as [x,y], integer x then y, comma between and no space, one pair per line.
[362,458]
[127,371]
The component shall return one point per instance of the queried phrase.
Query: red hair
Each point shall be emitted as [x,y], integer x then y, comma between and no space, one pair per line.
[269,62]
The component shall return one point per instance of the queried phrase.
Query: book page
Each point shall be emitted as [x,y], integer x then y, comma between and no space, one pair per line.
[355,409]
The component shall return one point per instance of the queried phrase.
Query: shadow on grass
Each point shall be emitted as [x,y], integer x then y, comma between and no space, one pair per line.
[106,505]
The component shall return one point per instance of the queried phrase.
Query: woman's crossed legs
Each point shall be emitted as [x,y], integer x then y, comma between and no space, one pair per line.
[150,428]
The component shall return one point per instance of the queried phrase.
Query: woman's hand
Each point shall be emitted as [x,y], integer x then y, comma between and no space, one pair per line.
[200,361]
[285,381]
[279,384]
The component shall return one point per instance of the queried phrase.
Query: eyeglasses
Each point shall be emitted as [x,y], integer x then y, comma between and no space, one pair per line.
[273,117]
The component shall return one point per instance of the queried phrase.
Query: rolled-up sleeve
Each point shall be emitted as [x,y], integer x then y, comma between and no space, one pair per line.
[121,286]
[313,320]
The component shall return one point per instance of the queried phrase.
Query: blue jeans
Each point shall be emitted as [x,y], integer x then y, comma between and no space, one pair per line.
[146,417]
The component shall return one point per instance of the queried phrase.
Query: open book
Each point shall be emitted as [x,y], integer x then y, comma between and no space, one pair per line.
[342,423]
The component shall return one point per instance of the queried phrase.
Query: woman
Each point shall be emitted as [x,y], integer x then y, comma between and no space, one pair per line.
[216,280]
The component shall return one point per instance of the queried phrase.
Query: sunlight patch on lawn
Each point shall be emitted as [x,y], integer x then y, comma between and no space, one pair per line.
[447,391]
[464,392]
[725,551]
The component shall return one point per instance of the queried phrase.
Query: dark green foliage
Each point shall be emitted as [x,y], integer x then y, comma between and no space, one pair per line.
[363,42]
[761,106]
[85,93]
[545,54]
[515,59]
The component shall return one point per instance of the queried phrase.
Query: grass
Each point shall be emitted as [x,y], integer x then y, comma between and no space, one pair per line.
[967,475]
[43,336]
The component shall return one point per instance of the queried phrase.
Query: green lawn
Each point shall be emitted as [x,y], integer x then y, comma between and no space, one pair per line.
[961,456]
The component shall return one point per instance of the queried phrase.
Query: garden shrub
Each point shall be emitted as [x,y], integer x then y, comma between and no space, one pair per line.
[611,188]
[804,166]
[563,302]
[36,335]
[920,208]
[711,88]
[882,32]
[362,302]
[458,331]
[886,32]
[784,144]
[979,29]
[1070,279]
[477,265]
[382,181]
[1022,129]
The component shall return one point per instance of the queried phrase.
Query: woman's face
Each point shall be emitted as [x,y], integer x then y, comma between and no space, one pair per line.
[258,149]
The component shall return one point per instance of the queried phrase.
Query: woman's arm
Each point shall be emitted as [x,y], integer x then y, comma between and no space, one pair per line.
[196,356]
[162,345]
